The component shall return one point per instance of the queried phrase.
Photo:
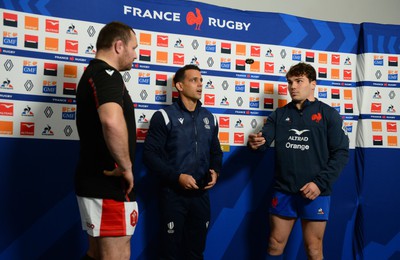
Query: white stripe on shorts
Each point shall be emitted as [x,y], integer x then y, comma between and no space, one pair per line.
[106,217]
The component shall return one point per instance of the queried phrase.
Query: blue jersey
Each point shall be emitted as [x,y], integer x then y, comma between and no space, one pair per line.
[311,146]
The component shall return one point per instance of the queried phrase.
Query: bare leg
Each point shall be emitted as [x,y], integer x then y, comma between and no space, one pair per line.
[92,251]
[313,234]
[280,231]
[118,248]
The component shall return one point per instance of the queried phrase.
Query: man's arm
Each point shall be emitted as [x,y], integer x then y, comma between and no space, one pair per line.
[263,139]
[338,145]
[215,150]
[154,154]
[115,134]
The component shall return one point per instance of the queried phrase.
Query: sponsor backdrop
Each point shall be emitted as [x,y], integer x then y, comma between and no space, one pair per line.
[244,56]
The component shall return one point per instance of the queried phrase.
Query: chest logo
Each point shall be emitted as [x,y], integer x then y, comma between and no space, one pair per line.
[299,132]
[206,123]
[316,117]
[181,120]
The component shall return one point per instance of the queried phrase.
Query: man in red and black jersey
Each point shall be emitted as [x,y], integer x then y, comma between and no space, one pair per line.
[107,132]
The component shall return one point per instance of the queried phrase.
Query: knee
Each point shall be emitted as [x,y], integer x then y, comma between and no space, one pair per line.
[276,246]
[314,252]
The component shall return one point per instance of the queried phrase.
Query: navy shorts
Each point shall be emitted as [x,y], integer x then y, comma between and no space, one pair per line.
[296,206]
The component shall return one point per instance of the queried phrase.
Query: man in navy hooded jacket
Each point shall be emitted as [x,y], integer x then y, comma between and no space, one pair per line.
[182,149]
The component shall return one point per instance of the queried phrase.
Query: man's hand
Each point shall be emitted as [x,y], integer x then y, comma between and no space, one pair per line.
[256,140]
[310,191]
[127,175]
[187,182]
[214,177]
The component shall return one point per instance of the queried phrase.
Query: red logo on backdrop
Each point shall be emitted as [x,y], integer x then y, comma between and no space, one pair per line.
[161,79]
[322,72]
[255,87]
[391,126]
[141,133]
[316,117]
[393,61]
[377,140]
[376,107]
[336,59]
[50,69]
[269,67]
[282,89]
[145,55]
[6,109]
[348,108]
[347,74]
[269,103]
[309,56]
[240,65]
[69,88]
[10,19]
[162,40]
[179,58]
[209,99]
[52,26]
[255,51]
[27,128]
[71,46]
[194,19]
[224,121]
[238,138]
[335,93]
[31,41]
[226,47]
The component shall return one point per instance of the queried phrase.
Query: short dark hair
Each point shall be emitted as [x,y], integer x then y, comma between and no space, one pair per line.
[180,74]
[111,32]
[302,69]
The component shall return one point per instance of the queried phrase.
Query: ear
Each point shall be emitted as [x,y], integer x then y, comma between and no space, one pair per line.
[313,84]
[179,86]
[118,46]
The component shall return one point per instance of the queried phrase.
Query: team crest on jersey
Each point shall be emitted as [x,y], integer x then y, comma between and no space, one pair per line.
[316,117]
[206,123]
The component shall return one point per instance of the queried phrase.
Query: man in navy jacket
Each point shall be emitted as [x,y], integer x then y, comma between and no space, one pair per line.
[182,149]
[311,147]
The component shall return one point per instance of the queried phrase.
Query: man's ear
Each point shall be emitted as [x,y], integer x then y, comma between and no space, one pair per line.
[179,86]
[313,84]
[118,46]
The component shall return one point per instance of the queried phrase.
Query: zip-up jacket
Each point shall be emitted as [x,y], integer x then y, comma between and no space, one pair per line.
[179,141]
[311,145]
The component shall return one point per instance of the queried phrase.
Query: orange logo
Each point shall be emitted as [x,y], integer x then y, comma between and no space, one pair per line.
[31,23]
[197,19]
[70,71]
[6,127]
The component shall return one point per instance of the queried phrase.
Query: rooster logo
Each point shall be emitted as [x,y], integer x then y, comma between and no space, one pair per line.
[274,202]
[316,117]
[196,19]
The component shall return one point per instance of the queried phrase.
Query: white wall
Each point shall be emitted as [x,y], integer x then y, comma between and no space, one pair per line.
[350,11]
